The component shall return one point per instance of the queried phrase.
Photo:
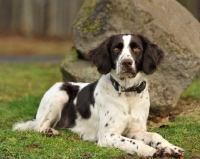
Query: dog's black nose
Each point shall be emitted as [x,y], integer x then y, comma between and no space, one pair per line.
[127,63]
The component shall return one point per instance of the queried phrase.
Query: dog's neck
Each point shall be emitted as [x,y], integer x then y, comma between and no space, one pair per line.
[127,82]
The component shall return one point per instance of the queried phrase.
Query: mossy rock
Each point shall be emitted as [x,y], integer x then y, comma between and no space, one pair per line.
[90,23]
[75,69]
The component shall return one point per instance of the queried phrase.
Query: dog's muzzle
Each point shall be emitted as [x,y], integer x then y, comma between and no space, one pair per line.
[128,68]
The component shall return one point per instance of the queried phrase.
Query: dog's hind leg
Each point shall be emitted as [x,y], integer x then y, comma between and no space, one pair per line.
[51,108]
[49,112]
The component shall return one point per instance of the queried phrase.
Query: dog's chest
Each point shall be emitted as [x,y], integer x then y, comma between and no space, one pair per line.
[125,112]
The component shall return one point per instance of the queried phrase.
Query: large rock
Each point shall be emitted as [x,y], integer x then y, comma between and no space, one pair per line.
[78,70]
[164,22]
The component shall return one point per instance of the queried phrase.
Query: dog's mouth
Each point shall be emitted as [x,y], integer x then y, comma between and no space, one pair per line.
[128,72]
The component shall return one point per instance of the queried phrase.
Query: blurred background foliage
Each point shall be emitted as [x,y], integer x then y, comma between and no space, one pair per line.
[51,18]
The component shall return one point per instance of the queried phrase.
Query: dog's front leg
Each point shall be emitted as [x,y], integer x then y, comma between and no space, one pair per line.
[157,141]
[130,146]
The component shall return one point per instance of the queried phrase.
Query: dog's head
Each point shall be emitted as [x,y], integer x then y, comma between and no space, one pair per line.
[127,54]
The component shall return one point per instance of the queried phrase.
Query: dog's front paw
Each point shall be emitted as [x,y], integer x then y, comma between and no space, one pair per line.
[158,153]
[174,151]
[169,150]
[49,132]
[155,153]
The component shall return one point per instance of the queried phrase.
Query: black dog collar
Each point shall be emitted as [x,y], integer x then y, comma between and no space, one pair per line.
[139,88]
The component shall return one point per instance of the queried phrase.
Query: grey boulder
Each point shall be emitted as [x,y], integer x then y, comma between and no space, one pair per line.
[165,23]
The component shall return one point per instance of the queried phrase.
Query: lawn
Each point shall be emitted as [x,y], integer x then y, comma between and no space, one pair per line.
[21,88]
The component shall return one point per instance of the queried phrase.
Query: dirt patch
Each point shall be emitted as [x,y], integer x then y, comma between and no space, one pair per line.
[35,145]
[195,157]
[185,107]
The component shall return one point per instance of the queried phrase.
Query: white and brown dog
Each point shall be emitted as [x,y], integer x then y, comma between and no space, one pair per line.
[112,111]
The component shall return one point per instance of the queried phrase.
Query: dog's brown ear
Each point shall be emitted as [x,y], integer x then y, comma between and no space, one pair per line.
[152,56]
[101,57]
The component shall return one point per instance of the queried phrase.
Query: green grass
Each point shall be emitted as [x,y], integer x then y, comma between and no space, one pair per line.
[21,88]
[17,80]
[184,132]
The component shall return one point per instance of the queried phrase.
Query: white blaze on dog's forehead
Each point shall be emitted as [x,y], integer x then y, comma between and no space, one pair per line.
[127,39]
[126,52]
[126,48]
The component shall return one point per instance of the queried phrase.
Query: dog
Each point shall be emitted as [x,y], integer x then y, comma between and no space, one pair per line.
[113,110]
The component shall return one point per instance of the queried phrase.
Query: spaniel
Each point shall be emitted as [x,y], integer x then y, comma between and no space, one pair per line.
[113,110]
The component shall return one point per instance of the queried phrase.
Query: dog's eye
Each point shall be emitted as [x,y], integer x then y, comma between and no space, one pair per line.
[135,49]
[116,50]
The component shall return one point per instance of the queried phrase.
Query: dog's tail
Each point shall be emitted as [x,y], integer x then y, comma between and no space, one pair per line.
[28,125]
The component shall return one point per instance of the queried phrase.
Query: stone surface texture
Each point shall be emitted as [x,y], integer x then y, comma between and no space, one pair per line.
[164,22]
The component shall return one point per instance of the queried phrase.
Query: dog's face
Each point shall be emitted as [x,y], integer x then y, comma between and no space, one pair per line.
[127,54]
